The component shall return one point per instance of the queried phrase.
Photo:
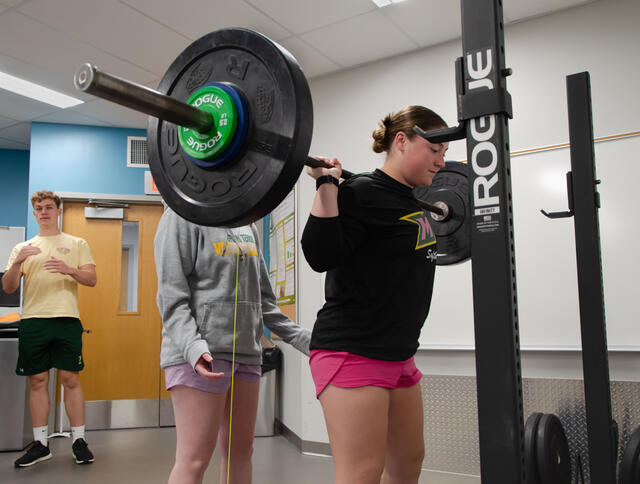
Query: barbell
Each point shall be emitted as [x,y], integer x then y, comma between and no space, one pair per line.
[229,132]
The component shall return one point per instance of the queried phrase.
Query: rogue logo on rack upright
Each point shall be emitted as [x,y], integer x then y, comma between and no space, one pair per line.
[484,154]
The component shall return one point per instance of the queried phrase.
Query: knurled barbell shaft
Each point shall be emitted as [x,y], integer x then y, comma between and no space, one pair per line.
[90,79]
[316,163]
[346,174]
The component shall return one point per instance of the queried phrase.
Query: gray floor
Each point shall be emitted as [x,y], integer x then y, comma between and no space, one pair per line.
[146,456]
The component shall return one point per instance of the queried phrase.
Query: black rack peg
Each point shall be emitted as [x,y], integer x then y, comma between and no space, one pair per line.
[568,213]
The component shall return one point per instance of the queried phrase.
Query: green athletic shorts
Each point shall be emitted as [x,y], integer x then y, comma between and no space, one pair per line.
[45,343]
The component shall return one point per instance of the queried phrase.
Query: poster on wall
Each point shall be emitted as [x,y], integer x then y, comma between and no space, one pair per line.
[282,259]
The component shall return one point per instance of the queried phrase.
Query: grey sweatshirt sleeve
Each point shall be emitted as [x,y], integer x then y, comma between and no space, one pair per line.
[175,250]
[291,333]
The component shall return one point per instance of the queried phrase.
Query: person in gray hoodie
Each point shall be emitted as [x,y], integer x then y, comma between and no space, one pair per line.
[213,288]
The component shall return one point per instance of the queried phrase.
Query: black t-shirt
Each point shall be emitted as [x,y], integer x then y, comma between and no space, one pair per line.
[379,254]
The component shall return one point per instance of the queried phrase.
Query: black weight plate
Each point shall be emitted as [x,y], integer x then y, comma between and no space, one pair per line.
[552,451]
[280,128]
[530,434]
[630,463]
[453,234]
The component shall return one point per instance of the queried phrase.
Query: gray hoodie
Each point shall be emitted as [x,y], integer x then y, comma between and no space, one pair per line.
[196,268]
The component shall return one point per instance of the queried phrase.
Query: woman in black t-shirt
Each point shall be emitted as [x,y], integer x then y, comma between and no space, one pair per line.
[379,251]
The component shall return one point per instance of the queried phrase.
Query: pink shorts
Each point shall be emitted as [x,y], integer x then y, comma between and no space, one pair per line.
[346,370]
[184,375]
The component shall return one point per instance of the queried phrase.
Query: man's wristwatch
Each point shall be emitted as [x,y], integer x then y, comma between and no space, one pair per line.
[326,179]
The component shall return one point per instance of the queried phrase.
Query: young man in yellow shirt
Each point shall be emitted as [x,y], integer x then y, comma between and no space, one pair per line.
[50,336]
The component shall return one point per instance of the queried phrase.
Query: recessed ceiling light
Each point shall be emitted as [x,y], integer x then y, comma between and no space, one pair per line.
[384,3]
[37,92]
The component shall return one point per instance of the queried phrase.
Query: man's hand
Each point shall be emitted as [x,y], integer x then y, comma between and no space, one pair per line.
[26,251]
[57,266]
[85,275]
[11,278]
[203,368]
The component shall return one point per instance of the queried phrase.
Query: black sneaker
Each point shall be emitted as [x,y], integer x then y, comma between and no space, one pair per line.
[36,452]
[81,452]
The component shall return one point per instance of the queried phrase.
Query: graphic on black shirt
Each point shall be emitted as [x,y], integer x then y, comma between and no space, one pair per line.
[426,237]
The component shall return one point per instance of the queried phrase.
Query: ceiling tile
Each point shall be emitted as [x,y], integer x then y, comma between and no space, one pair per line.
[56,55]
[4,122]
[516,10]
[68,116]
[138,39]
[20,133]
[113,114]
[6,144]
[427,22]
[377,38]
[301,16]
[22,108]
[208,15]
[40,75]
[113,27]
[313,62]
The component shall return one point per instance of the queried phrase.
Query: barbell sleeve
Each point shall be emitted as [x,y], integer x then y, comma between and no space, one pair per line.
[90,79]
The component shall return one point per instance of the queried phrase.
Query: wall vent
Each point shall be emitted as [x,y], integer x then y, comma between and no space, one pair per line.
[137,152]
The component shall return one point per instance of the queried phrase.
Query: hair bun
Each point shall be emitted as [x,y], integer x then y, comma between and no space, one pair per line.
[404,121]
[380,135]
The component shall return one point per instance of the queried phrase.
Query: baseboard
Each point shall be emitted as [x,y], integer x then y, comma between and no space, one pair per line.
[304,446]
[439,477]
[118,414]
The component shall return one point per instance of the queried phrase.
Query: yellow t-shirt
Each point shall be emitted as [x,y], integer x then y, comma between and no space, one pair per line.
[47,294]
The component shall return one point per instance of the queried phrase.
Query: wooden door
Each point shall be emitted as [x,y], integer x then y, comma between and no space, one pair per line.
[122,349]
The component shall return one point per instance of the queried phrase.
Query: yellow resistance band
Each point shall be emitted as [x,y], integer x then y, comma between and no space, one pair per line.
[233,361]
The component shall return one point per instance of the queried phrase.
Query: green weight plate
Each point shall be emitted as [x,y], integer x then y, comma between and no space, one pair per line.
[204,146]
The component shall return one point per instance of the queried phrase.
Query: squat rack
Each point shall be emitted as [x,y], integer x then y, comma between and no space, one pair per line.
[484,109]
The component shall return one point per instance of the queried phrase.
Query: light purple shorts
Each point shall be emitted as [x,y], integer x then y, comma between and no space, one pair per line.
[184,375]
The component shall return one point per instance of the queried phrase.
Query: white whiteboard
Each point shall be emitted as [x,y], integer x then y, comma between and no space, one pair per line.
[546,258]
[9,238]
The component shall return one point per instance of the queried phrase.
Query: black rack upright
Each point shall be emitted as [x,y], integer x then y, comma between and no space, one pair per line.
[586,202]
[486,105]
[484,108]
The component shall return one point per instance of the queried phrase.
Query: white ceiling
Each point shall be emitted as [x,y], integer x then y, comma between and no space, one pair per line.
[44,41]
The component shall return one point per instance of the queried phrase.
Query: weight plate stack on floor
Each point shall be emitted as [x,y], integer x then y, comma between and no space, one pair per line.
[630,462]
[552,451]
[530,434]
[546,450]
